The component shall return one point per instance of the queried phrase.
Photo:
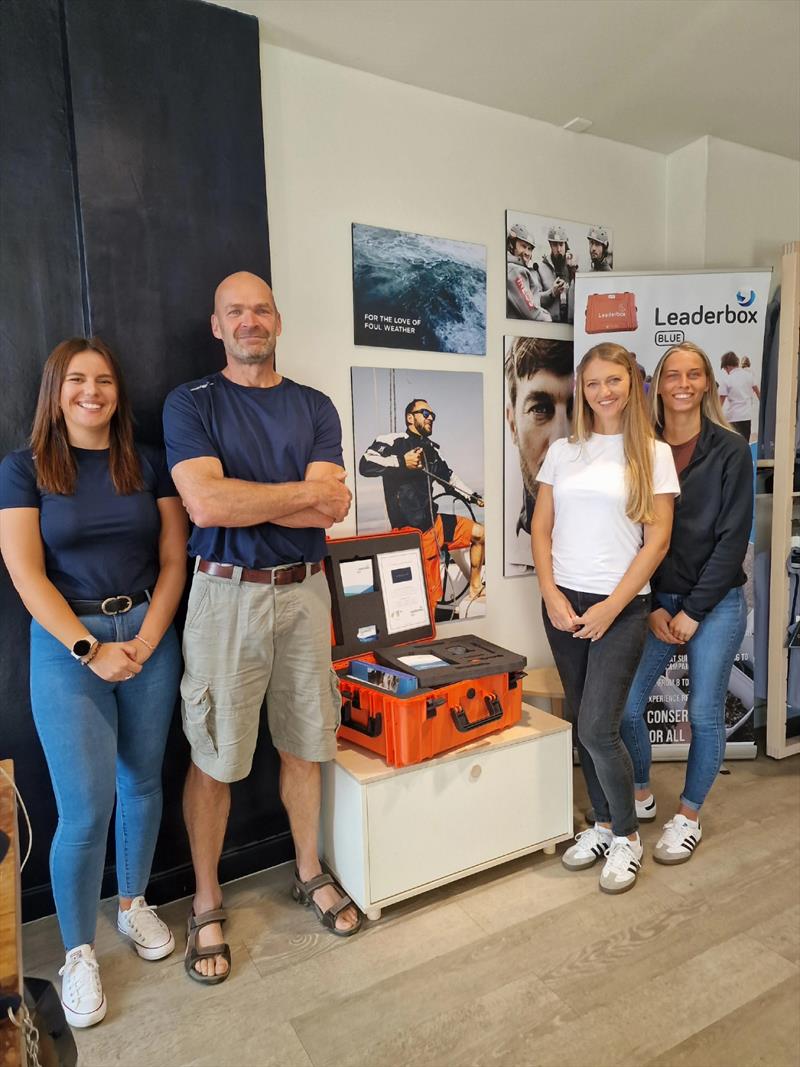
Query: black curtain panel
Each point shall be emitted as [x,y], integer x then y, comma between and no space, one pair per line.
[131,181]
[170,171]
[40,304]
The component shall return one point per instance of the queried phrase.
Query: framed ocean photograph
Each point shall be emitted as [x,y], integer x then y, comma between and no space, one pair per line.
[418,292]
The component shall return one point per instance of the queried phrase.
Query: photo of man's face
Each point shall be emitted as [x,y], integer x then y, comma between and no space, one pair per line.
[539,400]
[541,414]
[523,251]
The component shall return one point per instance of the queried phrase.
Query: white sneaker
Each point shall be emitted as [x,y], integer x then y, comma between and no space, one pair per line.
[680,838]
[590,846]
[645,811]
[81,991]
[622,865]
[151,937]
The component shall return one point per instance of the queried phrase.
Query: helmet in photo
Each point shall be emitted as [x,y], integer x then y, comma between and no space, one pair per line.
[599,234]
[521,233]
[557,233]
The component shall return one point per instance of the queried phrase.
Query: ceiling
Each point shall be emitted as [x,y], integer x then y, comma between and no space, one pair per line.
[653,73]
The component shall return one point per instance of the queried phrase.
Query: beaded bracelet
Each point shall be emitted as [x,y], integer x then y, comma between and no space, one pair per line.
[145,642]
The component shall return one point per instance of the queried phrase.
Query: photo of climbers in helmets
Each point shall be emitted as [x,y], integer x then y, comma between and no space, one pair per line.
[543,255]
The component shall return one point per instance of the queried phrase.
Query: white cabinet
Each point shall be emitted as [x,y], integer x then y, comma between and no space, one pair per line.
[388,833]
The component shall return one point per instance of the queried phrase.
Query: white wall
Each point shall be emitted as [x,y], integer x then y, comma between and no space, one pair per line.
[685,215]
[752,205]
[729,206]
[344,146]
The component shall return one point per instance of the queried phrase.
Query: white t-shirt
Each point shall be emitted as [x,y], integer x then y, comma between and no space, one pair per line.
[736,390]
[594,541]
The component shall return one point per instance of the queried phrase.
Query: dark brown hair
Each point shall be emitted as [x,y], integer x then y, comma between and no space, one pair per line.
[529,355]
[55,464]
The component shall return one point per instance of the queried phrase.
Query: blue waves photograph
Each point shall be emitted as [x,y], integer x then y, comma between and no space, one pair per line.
[418,292]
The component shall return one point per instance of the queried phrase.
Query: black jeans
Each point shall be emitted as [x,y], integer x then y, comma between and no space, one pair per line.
[596,676]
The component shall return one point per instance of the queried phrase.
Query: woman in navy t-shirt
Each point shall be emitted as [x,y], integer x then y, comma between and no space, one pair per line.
[94,538]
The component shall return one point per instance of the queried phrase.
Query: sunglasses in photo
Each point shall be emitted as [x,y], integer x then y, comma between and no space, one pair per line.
[427,413]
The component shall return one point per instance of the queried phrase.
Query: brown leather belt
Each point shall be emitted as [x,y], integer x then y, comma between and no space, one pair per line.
[276,576]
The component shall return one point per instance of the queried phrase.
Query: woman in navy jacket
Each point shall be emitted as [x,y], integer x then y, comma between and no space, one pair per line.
[698,600]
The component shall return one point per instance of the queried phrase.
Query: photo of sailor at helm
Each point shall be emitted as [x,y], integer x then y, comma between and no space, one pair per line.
[543,255]
[418,439]
[538,374]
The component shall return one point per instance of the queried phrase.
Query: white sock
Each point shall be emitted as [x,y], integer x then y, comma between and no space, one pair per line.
[634,844]
[692,822]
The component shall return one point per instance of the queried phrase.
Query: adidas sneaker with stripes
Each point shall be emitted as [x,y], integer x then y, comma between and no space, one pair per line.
[680,838]
[623,863]
[590,846]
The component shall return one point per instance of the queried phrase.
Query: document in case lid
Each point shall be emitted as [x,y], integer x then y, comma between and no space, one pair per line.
[611,313]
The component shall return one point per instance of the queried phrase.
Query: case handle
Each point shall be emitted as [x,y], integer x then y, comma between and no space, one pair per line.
[373,727]
[462,723]
[431,704]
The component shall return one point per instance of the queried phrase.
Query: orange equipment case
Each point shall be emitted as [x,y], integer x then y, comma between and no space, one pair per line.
[429,720]
[611,313]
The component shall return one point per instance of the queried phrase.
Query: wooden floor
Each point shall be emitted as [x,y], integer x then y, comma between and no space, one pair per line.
[526,964]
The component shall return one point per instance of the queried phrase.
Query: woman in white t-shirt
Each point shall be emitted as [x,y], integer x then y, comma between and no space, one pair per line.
[601,527]
[736,391]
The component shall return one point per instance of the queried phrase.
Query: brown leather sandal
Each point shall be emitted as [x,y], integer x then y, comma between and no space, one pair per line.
[195,952]
[303,893]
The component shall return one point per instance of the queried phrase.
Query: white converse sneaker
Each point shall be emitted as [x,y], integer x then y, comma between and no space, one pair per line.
[680,838]
[151,937]
[81,991]
[622,865]
[590,846]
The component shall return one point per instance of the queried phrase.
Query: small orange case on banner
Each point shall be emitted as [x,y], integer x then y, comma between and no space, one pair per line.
[430,720]
[611,313]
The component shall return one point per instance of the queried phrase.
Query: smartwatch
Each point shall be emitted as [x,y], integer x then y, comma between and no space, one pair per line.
[82,648]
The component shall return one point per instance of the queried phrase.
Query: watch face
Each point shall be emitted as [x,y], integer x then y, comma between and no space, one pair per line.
[81,648]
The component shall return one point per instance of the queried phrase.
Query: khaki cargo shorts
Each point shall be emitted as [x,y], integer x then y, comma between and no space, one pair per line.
[244,642]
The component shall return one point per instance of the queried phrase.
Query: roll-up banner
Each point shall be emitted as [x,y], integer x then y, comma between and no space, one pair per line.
[722,312]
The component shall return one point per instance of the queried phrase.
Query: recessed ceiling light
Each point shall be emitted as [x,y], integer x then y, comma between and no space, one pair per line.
[577,125]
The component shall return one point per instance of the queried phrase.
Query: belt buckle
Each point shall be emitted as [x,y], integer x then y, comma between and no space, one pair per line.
[289,568]
[116,600]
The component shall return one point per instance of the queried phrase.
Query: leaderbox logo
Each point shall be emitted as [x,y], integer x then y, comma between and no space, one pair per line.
[743,315]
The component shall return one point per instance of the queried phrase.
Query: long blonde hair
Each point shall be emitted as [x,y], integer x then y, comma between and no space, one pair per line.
[637,432]
[711,407]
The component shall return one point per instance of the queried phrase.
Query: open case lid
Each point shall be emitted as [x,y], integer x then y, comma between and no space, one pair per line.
[379,596]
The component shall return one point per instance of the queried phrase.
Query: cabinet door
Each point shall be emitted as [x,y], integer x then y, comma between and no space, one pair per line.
[444,818]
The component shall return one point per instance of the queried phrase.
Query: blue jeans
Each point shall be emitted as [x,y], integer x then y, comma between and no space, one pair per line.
[710,655]
[102,739]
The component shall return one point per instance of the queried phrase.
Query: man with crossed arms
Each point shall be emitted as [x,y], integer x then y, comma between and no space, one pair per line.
[257,460]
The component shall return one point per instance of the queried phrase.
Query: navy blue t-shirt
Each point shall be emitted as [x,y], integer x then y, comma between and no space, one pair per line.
[96,543]
[258,435]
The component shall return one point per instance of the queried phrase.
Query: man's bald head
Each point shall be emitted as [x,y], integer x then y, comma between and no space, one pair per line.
[238,283]
[246,318]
